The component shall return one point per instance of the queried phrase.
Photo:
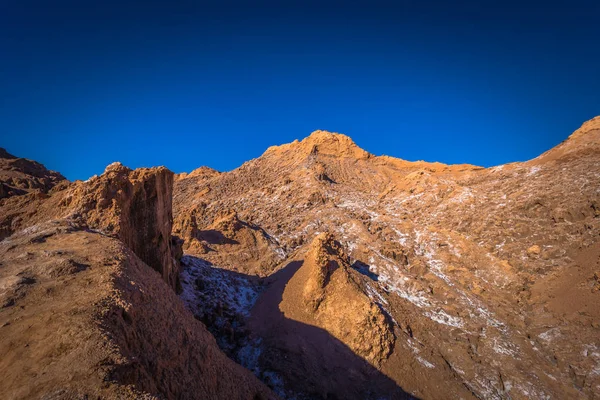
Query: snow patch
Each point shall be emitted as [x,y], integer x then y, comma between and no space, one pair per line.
[424,362]
[442,317]
[549,335]
[533,170]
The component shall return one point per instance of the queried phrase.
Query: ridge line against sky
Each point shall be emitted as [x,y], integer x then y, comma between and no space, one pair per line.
[192,83]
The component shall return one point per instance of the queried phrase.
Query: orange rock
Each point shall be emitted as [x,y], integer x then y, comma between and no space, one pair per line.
[534,251]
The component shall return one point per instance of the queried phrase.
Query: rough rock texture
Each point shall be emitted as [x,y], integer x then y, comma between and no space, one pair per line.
[24,186]
[135,206]
[334,299]
[488,275]
[132,205]
[247,248]
[389,278]
[84,314]
[20,176]
[81,316]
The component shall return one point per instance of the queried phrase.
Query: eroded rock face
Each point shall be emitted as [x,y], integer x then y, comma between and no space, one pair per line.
[446,281]
[19,176]
[334,298]
[209,234]
[81,316]
[135,206]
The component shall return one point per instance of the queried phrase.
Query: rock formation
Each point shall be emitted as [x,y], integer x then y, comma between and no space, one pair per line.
[82,311]
[334,298]
[19,176]
[134,206]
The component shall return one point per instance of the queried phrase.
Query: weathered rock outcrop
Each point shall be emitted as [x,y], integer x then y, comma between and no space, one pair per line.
[24,187]
[323,143]
[334,299]
[210,234]
[81,316]
[448,281]
[135,206]
[19,176]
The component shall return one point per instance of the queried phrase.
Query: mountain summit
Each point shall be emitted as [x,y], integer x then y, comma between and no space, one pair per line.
[315,271]
[463,261]
[320,142]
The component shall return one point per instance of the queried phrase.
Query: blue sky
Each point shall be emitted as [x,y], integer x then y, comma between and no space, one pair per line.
[191,83]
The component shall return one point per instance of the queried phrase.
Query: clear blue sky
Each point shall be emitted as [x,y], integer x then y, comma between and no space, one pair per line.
[191,83]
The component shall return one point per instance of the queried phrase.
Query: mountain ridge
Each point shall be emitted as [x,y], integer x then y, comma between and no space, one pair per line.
[456,250]
[395,279]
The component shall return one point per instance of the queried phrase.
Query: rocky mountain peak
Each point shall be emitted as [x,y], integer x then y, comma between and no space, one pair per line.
[116,167]
[5,154]
[322,143]
[391,278]
[586,139]
[586,128]
[19,176]
[334,144]
[424,270]
[320,135]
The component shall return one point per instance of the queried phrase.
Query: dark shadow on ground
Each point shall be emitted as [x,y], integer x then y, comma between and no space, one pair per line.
[304,360]
[213,236]
[363,269]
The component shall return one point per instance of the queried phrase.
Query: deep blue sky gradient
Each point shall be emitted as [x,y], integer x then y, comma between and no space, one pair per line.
[191,83]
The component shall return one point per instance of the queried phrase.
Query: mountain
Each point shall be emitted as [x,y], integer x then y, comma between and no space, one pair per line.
[315,271]
[20,176]
[453,281]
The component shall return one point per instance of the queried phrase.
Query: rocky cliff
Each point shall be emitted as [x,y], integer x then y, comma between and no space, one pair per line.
[83,311]
[135,206]
[132,205]
[82,316]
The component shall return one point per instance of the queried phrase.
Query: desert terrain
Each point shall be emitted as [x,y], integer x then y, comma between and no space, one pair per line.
[315,271]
